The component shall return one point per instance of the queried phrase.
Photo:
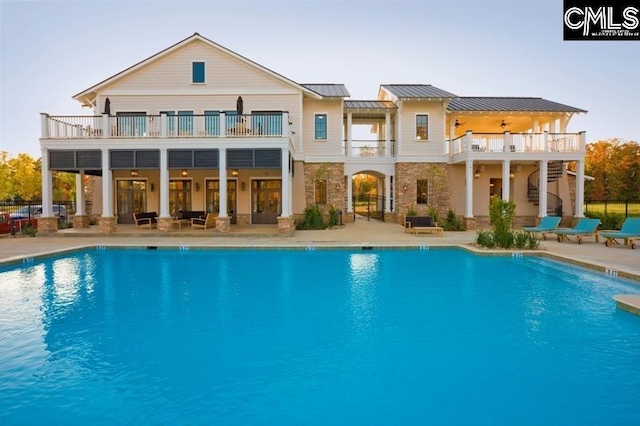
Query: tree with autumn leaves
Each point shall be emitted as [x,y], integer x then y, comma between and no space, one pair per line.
[21,180]
[615,167]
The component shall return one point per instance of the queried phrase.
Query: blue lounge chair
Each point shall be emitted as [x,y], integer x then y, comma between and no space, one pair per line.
[630,230]
[547,224]
[584,228]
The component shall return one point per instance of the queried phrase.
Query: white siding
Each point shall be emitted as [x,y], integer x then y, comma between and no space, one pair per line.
[407,137]
[333,144]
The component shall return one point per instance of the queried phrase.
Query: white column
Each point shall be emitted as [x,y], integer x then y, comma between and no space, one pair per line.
[349,124]
[223,125]
[44,125]
[106,131]
[387,136]
[563,124]
[579,189]
[469,189]
[80,193]
[542,189]
[286,184]
[107,185]
[387,193]
[47,185]
[507,141]
[535,126]
[164,182]
[222,163]
[349,193]
[468,139]
[506,179]
[286,128]
[553,126]
[163,125]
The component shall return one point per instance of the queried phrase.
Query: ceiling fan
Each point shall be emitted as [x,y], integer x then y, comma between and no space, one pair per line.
[504,124]
[458,123]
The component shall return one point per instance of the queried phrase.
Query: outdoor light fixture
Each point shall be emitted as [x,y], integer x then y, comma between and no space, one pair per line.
[337,187]
[476,174]
[197,186]
[152,186]
[404,188]
[184,172]
[134,173]
[234,172]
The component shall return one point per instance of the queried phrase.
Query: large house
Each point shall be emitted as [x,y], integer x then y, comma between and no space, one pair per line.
[198,127]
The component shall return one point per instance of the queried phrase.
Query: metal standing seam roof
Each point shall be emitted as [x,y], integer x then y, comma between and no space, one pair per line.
[508,104]
[417,91]
[329,90]
[369,105]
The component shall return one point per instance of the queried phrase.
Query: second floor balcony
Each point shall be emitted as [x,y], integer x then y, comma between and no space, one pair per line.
[217,125]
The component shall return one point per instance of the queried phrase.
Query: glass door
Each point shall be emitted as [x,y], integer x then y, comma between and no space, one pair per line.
[265,201]
[213,198]
[131,198]
[179,196]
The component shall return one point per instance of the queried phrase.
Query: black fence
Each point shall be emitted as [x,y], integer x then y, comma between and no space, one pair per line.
[613,207]
[15,216]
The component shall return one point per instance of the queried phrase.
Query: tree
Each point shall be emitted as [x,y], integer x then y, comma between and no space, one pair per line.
[615,166]
[6,186]
[25,177]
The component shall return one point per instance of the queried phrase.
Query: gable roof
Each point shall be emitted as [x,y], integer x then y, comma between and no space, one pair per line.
[369,105]
[89,94]
[505,104]
[416,91]
[329,90]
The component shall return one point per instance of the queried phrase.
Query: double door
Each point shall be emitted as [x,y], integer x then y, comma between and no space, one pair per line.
[266,196]
[213,198]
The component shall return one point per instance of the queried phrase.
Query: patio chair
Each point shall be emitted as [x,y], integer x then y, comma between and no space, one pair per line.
[630,230]
[584,228]
[548,224]
[208,222]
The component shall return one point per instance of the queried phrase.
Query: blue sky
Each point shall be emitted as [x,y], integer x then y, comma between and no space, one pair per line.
[52,50]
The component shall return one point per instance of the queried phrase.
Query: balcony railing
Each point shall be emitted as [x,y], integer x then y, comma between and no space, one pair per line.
[215,125]
[368,148]
[517,142]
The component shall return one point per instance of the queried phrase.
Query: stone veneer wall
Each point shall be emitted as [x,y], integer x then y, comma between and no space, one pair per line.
[408,174]
[334,174]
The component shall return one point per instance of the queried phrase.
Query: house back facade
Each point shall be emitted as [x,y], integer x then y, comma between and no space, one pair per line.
[198,127]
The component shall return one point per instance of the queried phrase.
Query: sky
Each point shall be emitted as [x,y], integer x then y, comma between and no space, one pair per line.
[52,50]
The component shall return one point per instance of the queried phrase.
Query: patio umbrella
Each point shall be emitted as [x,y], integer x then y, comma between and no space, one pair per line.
[239,105]
[107,107]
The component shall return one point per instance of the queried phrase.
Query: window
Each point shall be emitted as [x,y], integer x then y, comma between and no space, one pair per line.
[422,192]
[198,72]
[422,127]
[321,126]
[321,191]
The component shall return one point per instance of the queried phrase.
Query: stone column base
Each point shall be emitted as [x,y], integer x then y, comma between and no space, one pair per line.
[223,225]
[107,224]
[389,217]
[470,223]
[47,225]
[165,224]
[348,217]
[81,221]
[286,225]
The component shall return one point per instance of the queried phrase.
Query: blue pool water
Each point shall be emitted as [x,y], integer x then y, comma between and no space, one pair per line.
[314,337]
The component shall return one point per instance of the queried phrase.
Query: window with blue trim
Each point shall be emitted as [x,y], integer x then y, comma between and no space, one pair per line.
[321,126]
[198,72]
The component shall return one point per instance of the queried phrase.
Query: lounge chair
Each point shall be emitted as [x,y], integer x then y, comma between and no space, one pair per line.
[548,224]
[207,222]
[630,230]
[145,219]
[584,228]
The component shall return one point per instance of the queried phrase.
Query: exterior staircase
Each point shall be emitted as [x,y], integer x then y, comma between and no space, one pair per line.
[555,170]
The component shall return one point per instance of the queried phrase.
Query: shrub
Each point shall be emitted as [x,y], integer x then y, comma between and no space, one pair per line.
[485,239]
[608,221]
[65,224]
[312,218]
[452,223]
[532,241]
[411,211]
[29,231]
[501,213]
[521,239]
[433,213]
[334,216]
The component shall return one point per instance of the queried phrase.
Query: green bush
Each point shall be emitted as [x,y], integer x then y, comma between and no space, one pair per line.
[312,218]
[411,211]
[433,213]
[485,239]
[452,223]
[65,224]
[29,231]
[334,216]
[608,221]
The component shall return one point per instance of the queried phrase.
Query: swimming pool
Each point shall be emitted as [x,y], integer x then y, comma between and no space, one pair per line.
[314,337]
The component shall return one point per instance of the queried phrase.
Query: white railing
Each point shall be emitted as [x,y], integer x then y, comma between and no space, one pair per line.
[166,126]
[367,148]
[517,142]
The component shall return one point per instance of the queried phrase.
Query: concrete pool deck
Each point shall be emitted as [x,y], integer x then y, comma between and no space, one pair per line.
[617,260]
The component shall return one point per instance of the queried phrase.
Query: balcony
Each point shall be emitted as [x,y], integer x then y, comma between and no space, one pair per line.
[219,125]
[368,148]
[515,145]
